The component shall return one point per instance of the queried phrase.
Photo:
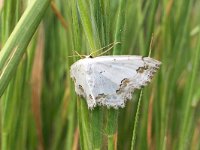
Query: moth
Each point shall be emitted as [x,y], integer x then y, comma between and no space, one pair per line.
[111,80]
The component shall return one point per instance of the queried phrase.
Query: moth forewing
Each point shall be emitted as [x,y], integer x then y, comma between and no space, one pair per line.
[111,80]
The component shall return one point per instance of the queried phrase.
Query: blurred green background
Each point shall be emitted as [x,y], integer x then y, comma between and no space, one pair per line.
[38,106]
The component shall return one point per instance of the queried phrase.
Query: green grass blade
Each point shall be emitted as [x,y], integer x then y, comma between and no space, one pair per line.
[15,46]
[136,122]
[120,26]
[188,112]
[89,25]
[111,127]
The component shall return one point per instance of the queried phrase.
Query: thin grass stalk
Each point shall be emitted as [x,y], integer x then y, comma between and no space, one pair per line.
[163,102]
[84,125]
[138,35]
[96,128]
[180,44]
[22,106]
[163,111]
[182,30]
[106,22]
[71,128]
[163,88]
[120,26]
[111,127]
[111,145]
[97,22]
[76,33]
[150,23]
[87,25]
[136,122]
[5,21]
[141,132]
[188,112]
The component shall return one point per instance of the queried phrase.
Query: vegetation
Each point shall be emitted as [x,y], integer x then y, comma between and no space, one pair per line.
[38,106]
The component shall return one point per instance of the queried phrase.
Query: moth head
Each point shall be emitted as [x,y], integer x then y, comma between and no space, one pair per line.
[89,56]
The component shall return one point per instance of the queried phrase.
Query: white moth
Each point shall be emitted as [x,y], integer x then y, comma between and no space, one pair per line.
[111,80]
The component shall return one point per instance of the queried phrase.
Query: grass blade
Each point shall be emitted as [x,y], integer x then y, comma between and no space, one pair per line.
[15,46]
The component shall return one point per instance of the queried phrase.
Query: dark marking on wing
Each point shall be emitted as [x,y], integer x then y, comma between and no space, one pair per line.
[119,91]
[102,71]
[125,81]
[90,96]
[102,95]
[143,58]
[123,84]
[81,88]
[142,69]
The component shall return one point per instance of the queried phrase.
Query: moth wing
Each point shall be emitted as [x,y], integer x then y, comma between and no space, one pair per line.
[78,72]
[113,80]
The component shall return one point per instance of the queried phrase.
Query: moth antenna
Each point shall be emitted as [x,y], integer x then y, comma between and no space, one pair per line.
[111,44]
[150,47]
[77,54]
[73,56]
